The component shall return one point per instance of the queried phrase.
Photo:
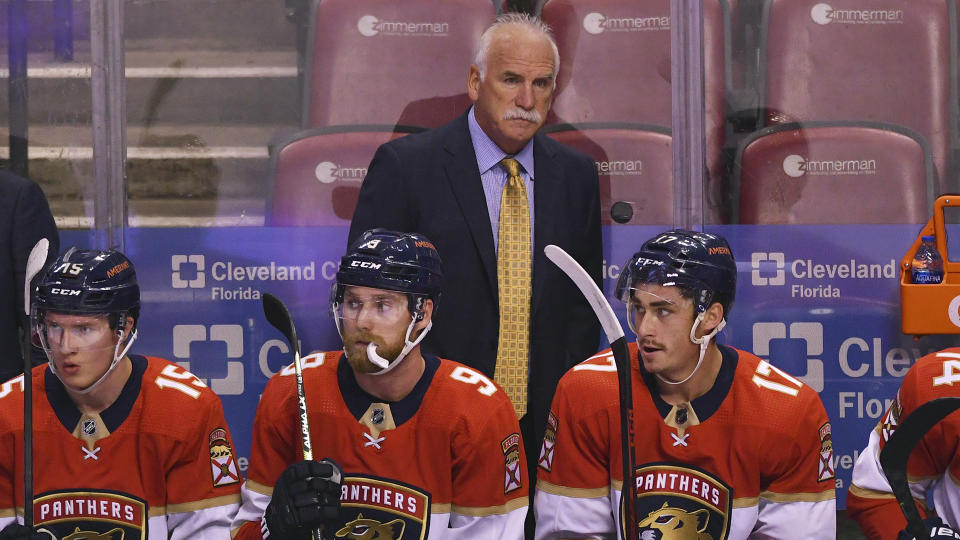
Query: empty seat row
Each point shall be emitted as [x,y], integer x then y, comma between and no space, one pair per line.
[882,65]
[820,172]
[862,60]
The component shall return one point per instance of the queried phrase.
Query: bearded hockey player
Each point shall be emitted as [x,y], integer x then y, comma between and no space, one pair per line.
[413,444]
[124,446]
[934,466]
[728,446]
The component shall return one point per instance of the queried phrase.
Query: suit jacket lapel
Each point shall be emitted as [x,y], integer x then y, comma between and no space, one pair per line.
[464,178]
[547,193]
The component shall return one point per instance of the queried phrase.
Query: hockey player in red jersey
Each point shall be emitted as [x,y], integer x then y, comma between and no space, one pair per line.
[727,446]
[934,465]
[123,444]
[413,444]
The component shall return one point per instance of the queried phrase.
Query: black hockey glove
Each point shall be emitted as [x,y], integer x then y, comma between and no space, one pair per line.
[935,528]
[306,497]
[15,531]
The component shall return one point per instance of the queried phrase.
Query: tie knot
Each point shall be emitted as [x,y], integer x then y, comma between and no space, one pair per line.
[512,165]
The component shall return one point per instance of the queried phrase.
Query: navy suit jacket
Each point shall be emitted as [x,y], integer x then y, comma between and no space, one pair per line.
[430,183]
[24,218]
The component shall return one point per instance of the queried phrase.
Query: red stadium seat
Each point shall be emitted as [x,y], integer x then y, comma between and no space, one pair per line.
[635,165]
[370,61]
[317,174]
[861,60]
[615,65]
[834,173]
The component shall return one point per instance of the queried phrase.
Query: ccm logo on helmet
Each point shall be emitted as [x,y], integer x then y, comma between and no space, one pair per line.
[65,292]
[365,264]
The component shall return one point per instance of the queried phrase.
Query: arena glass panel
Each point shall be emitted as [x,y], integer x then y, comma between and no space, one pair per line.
[46,104]
[213,94]
[823,85]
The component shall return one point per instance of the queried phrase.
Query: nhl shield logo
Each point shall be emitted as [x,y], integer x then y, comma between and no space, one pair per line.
[377,416]
[676,501]
[89,427]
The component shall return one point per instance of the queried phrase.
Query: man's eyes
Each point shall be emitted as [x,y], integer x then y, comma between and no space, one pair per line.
[381,305]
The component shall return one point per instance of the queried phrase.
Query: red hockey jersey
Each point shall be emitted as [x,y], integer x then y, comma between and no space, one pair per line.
[933,466]
[156,464]
[447,455]
[751,456]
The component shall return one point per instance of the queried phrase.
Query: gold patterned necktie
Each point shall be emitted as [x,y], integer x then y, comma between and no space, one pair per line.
[513,283]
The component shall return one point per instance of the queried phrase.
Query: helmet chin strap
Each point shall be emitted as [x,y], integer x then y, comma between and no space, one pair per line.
[117,356]
[704,342]
[385,365]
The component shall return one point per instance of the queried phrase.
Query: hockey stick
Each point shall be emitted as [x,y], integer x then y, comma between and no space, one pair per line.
[618,343]
[279,316]
[894,456]
[35,262]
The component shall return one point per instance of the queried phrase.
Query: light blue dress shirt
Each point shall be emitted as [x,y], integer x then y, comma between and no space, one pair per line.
[493,175]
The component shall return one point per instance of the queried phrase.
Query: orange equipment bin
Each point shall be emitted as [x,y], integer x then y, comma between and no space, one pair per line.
[931,308]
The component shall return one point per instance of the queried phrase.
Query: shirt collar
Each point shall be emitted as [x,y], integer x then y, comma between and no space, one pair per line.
[489,154]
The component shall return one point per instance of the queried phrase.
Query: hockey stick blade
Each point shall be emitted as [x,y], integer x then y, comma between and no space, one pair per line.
[280,318]
[896,453]
[573,270]
[618,344]
[35,261]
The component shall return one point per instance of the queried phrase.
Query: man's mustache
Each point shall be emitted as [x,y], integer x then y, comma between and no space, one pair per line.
[522,114]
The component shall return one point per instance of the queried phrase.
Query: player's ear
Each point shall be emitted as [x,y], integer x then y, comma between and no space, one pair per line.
[712,317]
[123,331]
[427,310]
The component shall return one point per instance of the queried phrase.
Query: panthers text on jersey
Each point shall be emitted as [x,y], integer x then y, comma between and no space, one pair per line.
[751,456]
[447,455]
[933,466]
[158,463]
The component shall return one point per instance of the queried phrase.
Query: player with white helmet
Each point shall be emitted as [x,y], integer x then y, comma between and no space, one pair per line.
[727,446]
[102,430]
[413,445]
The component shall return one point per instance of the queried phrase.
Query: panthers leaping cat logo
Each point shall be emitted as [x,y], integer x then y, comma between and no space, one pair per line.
[90,535]
[371,529]
[675,524]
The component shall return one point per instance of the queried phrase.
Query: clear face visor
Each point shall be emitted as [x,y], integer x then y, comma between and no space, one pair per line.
[641,301]
[377,307]
[60,333]
[63,333]
[353,306]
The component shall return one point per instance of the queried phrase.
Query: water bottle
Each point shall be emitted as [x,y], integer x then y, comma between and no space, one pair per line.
[927,265]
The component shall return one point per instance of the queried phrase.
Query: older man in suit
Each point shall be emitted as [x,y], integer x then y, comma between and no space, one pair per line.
[24,218]
[491,192]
